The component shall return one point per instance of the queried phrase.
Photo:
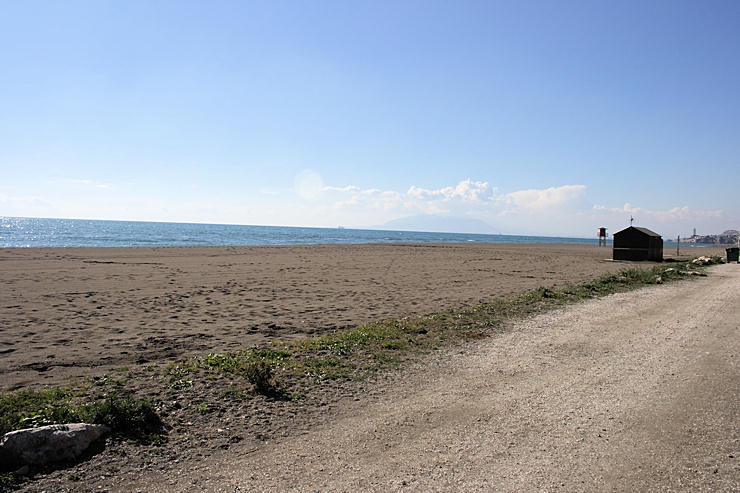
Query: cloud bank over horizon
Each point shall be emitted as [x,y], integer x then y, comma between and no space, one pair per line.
[467,206]
[563,210]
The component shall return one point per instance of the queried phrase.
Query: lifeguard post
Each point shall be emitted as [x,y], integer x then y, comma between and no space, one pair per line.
[602,236]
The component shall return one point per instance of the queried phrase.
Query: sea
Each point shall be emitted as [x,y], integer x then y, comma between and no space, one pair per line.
[37,232]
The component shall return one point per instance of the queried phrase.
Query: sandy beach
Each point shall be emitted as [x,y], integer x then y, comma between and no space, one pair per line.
[70,312]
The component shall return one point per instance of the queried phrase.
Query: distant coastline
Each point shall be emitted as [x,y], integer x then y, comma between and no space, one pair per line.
[729,237]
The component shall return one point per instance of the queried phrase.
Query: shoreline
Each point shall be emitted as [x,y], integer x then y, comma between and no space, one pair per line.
[669,244]
[74,311]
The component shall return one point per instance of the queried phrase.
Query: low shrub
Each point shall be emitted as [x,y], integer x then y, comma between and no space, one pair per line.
[260,374]
[124,414]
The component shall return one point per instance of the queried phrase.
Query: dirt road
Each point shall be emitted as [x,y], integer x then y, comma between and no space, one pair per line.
[633,392]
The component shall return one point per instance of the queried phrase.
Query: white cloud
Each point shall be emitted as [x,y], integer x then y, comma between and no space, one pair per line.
[467,190]
[466,198]
[554,211]
[85,182]
[551,199]
[675,213]
[348,188]
[669,222]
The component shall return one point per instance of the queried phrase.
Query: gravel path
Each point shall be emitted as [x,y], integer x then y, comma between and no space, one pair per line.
[633,392]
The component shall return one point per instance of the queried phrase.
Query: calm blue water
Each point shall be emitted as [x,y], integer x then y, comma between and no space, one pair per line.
[32,232]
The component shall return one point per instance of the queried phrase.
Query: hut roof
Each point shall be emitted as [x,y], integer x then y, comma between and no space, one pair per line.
[641,230]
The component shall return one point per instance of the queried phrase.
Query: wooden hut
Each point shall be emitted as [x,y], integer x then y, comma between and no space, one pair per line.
[638,244]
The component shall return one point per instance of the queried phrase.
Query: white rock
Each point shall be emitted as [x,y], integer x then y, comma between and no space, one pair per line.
[46,444]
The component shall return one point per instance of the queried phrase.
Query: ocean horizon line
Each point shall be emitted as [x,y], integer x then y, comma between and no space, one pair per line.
[27,232]
[339,226]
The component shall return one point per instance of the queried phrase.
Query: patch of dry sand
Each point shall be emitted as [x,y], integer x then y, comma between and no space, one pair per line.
[68,312]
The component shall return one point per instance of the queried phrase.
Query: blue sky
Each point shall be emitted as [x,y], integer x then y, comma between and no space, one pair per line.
[531,117]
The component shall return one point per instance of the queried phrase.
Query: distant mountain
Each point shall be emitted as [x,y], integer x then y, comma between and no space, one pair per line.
[439,224]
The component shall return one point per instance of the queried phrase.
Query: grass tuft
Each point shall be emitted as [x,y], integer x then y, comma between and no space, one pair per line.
[34,408]
[124,414]
[260,375]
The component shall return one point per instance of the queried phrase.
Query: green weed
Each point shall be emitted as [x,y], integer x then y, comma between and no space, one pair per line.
[124,414]
[33,408]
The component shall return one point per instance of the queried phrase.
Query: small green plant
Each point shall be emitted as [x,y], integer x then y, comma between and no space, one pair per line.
[9,481]
[222,362]
[124,414]
[233,394]
[272,356]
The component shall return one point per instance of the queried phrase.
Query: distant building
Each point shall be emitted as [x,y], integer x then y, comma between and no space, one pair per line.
[638,244]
